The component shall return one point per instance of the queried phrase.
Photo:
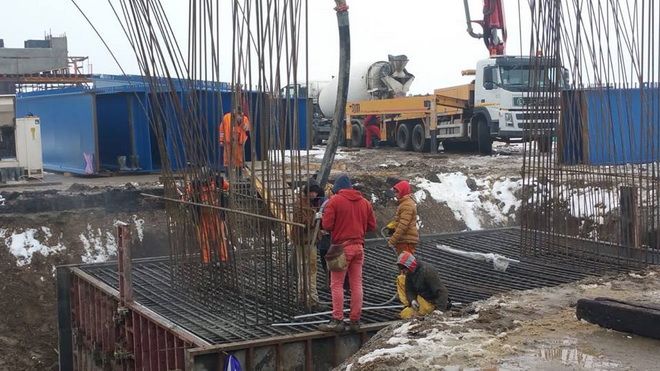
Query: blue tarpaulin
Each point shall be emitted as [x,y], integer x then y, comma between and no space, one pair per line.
[610,126]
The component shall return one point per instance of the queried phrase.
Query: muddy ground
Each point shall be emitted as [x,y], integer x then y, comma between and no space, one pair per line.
[70,220]
[527,330]
[68,226]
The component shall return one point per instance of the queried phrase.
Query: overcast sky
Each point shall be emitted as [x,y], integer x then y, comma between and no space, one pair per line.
[432,33]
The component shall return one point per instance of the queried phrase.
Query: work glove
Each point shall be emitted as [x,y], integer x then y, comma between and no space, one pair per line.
[318,215]
[415,305]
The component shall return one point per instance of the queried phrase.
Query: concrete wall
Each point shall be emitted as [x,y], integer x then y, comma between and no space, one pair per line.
[22,61]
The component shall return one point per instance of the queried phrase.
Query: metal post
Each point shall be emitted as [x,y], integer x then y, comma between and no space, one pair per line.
[124,264]
[433,127]
[629,217]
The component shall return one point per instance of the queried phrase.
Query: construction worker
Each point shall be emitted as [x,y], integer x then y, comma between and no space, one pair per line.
[232,134]
[307,241]
[210,228]
[371,131]
[405,235]
[347,216]
[419,287]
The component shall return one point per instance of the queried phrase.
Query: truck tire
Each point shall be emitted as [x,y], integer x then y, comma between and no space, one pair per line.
[419,141]
[404,137]
[484,142]
[357,135]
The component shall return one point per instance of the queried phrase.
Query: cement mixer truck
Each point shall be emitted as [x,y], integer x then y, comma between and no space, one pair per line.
[368,81]
[494,106]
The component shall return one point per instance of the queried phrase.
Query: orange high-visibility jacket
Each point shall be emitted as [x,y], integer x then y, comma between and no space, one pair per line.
[240,131]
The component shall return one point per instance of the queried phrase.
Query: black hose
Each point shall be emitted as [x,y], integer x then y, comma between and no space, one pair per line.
[342,91]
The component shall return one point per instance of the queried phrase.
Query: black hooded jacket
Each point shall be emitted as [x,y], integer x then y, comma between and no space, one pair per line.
[425,282]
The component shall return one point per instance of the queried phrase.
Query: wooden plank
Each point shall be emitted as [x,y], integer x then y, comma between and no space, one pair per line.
[635,318]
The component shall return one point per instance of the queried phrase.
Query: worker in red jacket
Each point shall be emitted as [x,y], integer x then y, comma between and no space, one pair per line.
[347,216]
[371,131]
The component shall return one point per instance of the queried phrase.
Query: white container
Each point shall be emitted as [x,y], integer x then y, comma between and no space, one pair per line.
[28,146]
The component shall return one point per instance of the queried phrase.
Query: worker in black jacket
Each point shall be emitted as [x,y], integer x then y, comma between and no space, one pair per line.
[419,287]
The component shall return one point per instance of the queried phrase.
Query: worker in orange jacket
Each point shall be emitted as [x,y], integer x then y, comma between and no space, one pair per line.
[210,228]
[232,134]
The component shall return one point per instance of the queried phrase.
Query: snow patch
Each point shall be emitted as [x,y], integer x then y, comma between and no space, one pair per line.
[24,245]
[2,201]
[374,198]
[385,353]
[139,227]
[488,201]
[99,247]
[315,153]
[420,196]
[434,343]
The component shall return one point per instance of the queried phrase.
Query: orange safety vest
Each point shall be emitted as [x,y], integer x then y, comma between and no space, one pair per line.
[233,137]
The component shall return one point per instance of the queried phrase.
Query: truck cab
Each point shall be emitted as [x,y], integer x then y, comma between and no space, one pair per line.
[509,91]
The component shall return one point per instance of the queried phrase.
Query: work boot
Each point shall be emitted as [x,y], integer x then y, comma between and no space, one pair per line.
[318,308]
[334,325]
[354,326]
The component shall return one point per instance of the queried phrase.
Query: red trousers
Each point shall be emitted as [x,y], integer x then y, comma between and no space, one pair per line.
[355,259]
[371,132]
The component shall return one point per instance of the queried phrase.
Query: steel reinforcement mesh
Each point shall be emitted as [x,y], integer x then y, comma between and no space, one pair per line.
[467,280]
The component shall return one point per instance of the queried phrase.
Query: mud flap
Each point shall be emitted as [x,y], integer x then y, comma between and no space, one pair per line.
[639,319]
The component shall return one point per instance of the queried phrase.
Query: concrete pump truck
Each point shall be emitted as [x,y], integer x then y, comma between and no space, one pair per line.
[496,105]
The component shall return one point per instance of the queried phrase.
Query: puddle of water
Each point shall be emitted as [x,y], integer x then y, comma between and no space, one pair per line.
[566,354]
[575,357]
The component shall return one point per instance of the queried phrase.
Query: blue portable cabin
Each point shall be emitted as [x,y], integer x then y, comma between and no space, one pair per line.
[113,118]
[610,126]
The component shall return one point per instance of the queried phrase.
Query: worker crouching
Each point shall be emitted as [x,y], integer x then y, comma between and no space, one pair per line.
[419,287]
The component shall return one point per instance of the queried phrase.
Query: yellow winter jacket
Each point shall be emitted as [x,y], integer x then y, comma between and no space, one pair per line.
[405,230]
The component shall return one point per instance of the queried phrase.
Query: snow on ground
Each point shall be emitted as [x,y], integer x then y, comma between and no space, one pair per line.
[99,246]
[314,153]
[139,227]
[23,245]
[477,202]
[587,202]
[425,346]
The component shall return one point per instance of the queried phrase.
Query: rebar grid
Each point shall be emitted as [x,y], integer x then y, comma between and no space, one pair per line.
[467,280]
[216,254]
[592,153]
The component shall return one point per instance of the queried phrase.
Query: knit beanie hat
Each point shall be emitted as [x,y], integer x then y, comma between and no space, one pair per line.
[407,260]
[342,182]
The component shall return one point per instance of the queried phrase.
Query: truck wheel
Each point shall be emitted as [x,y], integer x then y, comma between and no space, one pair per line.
[404,137]
[484,141]
[419,141]
[357,135]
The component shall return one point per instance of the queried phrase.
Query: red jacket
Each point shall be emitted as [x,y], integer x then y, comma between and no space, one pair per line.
[348,216]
